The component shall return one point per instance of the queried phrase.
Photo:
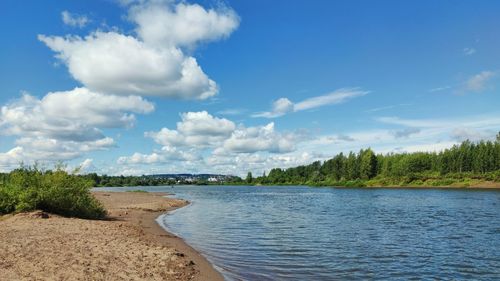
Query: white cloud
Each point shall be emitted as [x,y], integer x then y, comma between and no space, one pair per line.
[469,51]
[195,129]
[84,167]
[412,122]
[345,137]
[200,140]
[72,115]
[236,164]
[116,68]
[202,123]
[113,63]
[181,24]
[66,125]
[260,138]
[49,150]
[165,155]
[153,62]
[481,122]
[283,106]
[439,89]
[407,132]
[46,150]
[257,163]
[74,19]
[336,97]
[232,111]
[466,133]
[473,84]
[478,82]
[11,159]
[87,166]
[138,158]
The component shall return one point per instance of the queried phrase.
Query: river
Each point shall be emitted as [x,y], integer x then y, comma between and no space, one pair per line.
[305,233]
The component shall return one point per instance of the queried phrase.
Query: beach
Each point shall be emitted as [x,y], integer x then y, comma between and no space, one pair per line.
[129,245]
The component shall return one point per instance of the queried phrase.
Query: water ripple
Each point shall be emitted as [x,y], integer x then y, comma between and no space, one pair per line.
[300,233]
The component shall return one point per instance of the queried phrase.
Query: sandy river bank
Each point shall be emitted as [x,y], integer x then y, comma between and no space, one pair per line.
[130,245]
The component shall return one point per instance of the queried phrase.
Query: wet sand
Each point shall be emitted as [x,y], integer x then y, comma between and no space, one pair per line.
[130,245]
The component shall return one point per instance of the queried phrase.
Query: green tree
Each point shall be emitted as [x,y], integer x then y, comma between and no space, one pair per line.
[368,165]
[352,168]
[249,178]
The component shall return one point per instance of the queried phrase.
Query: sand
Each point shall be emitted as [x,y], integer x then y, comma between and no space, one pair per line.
[130,245]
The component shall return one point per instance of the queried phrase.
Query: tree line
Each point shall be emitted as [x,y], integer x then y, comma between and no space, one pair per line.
[466,163]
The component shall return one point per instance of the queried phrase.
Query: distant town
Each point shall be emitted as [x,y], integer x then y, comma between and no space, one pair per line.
[194,178]
[159,179]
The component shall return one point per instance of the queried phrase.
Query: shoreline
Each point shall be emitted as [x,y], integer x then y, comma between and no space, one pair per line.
[480,186]
[146,220]
[128,245]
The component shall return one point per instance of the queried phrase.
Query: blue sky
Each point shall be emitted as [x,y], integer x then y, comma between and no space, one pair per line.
[133,87]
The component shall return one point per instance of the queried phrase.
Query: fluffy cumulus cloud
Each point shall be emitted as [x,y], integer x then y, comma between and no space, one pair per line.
[165,155]
[195,129]
[153,61]
[259,138]
[73,115]
[65,125]
[46,150]
[181,24]
[283,106]
[139,158]
[202,130]
[116,70]
[202,141]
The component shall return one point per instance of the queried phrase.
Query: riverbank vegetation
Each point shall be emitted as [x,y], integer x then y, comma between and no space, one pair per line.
[54,191]
[467,164]
[158,180]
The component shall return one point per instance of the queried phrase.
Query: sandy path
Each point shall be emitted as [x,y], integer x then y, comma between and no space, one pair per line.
[129,246]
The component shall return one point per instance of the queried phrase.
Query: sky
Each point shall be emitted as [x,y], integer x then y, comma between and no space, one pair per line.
[161,86]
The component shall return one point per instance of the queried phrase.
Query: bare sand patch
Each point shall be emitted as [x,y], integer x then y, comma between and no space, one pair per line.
[130,245]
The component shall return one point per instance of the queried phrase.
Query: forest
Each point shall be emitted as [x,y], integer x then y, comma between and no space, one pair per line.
[467,164]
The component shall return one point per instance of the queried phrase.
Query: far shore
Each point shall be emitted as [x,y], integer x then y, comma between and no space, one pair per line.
[483,185]
[128,245]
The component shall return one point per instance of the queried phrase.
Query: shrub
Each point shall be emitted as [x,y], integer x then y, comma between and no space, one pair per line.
[58,192]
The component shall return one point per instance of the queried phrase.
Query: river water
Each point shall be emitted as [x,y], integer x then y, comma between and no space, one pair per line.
[305,233]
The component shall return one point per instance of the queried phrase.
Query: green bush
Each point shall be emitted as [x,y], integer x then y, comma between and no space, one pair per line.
[28,189]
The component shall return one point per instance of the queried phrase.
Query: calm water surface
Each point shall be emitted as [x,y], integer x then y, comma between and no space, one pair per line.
[303,233]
